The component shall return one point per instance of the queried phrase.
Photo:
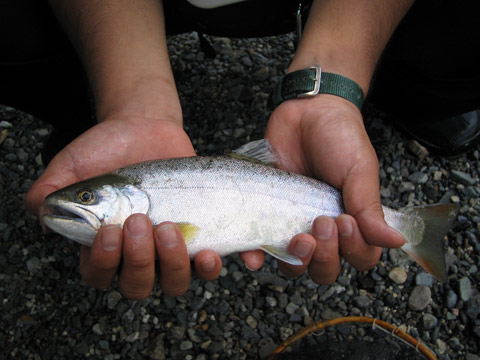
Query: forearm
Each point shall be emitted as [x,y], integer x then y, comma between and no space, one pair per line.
[348,36]
[123,47]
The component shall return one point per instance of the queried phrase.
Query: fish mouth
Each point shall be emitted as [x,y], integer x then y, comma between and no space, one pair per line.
[71,220]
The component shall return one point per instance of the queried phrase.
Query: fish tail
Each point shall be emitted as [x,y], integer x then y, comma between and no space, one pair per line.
[425,228]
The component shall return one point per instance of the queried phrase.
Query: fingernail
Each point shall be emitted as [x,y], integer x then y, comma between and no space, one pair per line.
[167,236]
[137,226]
[302,248]
[399,234]
[208,264]
[110,237]
[323,229]
[249,268]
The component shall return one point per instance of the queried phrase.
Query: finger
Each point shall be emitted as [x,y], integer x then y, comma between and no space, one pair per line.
[138,269]
[51,180]
[99,263]
[253,259]
[353,247]
[361,196]
[174,262]
[302,245]
[325,264]
[208,265]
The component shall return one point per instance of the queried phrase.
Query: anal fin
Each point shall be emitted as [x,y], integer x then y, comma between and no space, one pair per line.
[282,255]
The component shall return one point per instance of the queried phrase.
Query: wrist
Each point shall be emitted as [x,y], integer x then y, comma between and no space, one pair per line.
[153,98]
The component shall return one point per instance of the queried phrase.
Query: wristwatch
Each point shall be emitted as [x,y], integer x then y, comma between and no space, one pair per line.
[312,81]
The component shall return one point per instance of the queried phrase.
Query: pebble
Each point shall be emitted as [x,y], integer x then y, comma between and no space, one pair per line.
[362,301]
[429,321]
[186,345]
[452,299]
[418,177]
[462,178]
[424,278]
[251,321]
[398,275]
[406,187]
[465,288]
[34,265]
[473,307]
[97,329]
[113,298]
[419,298]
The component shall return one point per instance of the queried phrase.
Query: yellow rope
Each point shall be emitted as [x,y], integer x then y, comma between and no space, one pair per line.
[319,325]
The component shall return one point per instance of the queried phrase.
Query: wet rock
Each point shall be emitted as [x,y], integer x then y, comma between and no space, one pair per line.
[398,275]
[419,298]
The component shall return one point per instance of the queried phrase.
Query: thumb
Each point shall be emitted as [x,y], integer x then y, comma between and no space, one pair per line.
[361,197]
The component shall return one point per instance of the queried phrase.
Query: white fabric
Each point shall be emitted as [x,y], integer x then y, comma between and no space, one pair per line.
[210,4]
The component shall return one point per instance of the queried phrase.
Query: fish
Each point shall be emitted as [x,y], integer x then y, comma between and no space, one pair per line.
[231,204]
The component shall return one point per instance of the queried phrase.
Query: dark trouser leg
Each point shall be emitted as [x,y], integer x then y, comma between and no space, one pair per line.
[39,70]
[431,65]
[428,79]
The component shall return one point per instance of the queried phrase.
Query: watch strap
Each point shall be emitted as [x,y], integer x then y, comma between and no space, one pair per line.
[312,81]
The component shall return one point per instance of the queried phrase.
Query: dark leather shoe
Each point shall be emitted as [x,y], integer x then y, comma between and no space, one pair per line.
[449,136]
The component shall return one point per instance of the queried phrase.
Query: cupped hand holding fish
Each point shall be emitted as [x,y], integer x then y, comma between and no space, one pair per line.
[324,137]
[111,144]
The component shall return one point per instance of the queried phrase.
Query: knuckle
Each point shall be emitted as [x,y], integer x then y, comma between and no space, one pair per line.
[94,281]
[140,264]
[176,290]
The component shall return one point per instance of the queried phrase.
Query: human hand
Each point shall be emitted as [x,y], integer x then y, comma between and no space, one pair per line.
[111,144]
[324,137]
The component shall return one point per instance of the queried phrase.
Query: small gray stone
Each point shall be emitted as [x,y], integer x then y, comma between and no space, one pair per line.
[473,307]
[266,346]
[34,264]
[429,321]
[465,288]
[113,298]
[251,321]
[186,345]
[418,177]
[419,297]
[462,178]
[22,155]
[362,301]
[406,187]
[5,124]
[97,329]
[452,299]
[156,349]
[262,74]
[424,279]
[398,275]
[291,308]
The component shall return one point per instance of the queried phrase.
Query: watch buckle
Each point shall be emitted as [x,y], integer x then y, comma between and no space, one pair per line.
[318,78]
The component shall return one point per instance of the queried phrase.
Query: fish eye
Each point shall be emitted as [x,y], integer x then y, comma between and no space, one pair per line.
[86,196]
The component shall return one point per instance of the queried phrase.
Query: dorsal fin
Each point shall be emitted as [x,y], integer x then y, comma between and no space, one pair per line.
[259,151]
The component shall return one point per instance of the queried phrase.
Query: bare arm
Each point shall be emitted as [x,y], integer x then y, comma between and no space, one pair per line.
[123,47]
[347,36]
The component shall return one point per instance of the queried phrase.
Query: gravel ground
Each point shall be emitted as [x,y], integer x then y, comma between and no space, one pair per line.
[47,312]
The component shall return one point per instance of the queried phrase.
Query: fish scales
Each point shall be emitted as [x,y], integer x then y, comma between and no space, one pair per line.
[230,205]
[237,205]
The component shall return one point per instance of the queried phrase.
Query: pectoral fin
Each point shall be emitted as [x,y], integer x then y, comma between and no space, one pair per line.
[189,231]
[282,254]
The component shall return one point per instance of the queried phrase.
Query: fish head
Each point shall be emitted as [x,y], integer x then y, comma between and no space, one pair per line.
[79,210]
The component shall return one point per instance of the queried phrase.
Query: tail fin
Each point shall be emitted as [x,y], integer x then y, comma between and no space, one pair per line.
[425,229]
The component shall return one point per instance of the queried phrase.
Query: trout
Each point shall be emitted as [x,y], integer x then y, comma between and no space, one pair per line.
[230,204]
